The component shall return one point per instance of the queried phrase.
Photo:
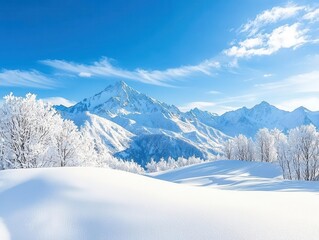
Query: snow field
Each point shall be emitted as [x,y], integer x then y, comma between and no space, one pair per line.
[93,203]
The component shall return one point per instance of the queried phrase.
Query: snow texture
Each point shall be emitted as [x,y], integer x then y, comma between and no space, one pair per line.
[93,203]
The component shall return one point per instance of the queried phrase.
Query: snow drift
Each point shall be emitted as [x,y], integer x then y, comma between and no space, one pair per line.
[92,203]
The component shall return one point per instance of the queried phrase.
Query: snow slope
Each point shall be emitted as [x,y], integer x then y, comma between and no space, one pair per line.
[91,203]
[236,175]
[114,137]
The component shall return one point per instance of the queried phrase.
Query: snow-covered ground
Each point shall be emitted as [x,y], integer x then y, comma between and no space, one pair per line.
[92,203]
[236,175]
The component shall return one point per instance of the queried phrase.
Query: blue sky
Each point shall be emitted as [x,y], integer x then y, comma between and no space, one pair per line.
[215,55]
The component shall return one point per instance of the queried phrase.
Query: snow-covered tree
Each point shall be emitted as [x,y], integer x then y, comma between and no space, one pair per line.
[228,149]
[151,166]
[170,163]
[69,144]
[265,146]
[304,148]
[27,131]
[243,148]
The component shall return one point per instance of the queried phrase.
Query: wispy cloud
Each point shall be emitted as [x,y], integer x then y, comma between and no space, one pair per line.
[312,15]
[214,92]
[104,68]
[311,103]
[200,105]
[300,83]
[286,36]
[270,16]
[267,75]
[19,78]
[59,101]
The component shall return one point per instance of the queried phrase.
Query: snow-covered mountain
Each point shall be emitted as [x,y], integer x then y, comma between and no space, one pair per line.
[134,126]
[148,128]
[248,121]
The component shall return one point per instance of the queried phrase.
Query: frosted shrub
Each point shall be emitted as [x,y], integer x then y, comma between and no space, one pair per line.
[164,165]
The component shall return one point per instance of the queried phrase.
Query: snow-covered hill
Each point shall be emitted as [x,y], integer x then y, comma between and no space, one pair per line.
[153,129]
[92,203]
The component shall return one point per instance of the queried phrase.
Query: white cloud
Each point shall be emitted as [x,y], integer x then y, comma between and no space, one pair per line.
[20,78]
[214,92]
[313,15]
[199,105]
[85,74]
[286,36]
[4,232]
[59,101]
[311,103]
[266,75]
[300,83]
[270,16]
[251,42]
[104,68]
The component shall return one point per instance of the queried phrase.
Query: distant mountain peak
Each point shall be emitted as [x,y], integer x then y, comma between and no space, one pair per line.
[301,109]
[264,103]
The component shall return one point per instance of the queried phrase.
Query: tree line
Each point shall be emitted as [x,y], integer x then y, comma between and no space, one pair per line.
[297,152]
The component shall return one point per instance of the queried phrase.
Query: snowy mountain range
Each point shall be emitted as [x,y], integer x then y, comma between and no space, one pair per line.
[134,126]
[248,121]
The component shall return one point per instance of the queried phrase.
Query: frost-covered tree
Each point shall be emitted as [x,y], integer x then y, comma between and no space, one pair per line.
[304,148]
[243,148]
[265,146]
[283,153]
[69,144]
[228,149]
[151,166]
[27,131]
[170,163]
[93,152]
[33,134]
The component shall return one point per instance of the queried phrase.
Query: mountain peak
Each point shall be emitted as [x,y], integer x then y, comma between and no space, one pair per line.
[301,109]
[263,104]
[120,84]
[117,87]
[121,99]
